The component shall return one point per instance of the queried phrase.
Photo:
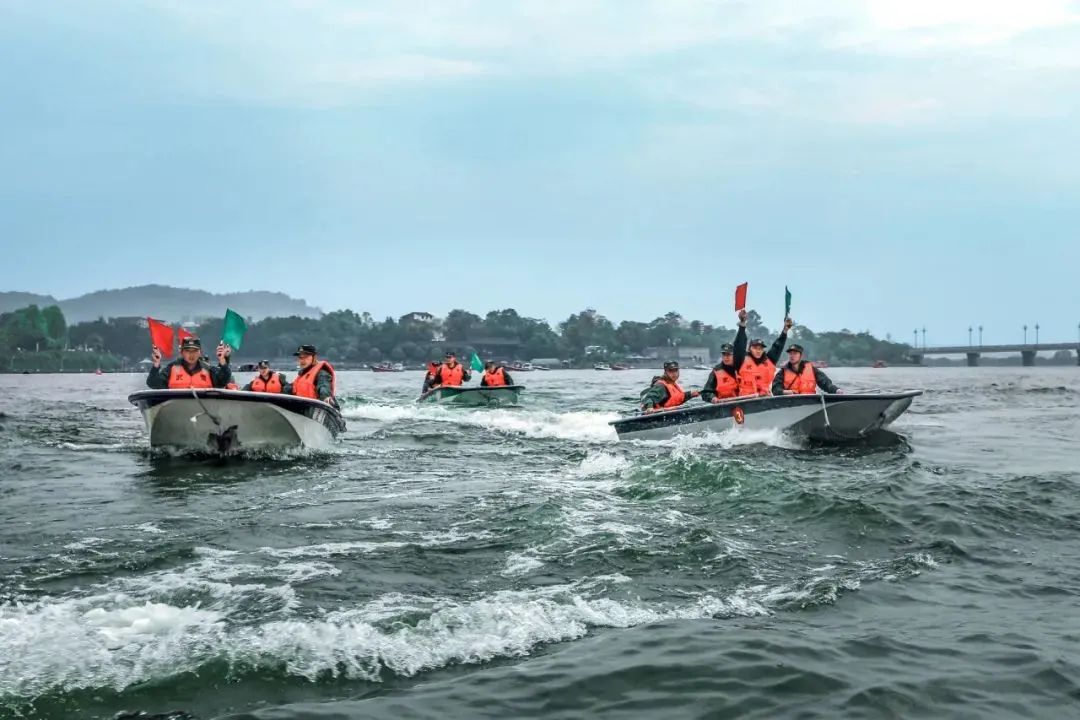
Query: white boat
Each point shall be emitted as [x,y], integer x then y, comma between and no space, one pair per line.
[520,367]
[601,366]
[224,422]
[820,417]
[385,367]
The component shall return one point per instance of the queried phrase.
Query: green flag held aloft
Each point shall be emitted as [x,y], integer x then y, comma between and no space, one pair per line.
[475,364]
[232,334]
[787,303]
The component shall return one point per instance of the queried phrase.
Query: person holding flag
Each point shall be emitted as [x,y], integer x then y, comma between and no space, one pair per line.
[449,373]
[723,381]
[759,368]
[190,370]
[316,378]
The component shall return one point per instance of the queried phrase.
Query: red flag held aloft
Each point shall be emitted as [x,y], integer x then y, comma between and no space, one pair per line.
[182,334]
[161,335]
[740,296]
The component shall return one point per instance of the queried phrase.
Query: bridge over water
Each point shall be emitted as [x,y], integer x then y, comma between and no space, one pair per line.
[973,352]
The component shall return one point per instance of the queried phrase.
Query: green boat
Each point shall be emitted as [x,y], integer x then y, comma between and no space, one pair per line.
[473,396]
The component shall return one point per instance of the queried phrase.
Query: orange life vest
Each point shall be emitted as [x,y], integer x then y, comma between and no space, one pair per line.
[180,379]
[450,376]
[304,384]
[675,394]
[756,378]
[495,378]
[273,385]
[726,385]
[801,383]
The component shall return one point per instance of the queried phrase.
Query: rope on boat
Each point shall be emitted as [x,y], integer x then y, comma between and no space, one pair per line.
[829,427]
[223,441]
[207,413]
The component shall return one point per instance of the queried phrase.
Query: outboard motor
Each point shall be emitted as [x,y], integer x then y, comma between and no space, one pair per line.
[224,442]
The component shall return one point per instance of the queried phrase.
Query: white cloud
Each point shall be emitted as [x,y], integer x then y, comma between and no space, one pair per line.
[861,61]
[381,70]
[957,23]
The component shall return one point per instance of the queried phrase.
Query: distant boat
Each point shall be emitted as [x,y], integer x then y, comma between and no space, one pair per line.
[385,367]
[543,368]
[619,366]
[822,363]
[699,366]
[98,371]
[520,367]
[504,395]
[601,366]
[879,364]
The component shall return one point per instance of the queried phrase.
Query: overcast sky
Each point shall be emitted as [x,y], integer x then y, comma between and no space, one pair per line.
[897,164]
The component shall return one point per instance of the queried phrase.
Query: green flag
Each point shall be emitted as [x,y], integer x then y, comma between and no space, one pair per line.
[232,334]
[787,303]
[475,364]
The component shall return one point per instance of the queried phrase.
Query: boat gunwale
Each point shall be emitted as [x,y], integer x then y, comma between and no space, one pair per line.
[288,403]
[462,389]
[683,415]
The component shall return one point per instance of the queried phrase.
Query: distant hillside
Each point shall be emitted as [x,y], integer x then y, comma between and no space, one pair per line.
[14,300]
[180,304]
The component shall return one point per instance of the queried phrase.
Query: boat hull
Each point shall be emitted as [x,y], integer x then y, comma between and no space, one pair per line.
[819,417]
[473,396]
[232,421]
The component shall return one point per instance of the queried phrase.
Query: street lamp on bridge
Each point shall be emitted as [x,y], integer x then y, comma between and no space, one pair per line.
[980,336]
[1025,334]
[1036,333]
[969,335]
[924,336]
[915,334]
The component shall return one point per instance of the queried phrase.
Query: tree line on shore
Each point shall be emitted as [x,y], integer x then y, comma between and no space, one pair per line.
[35,338]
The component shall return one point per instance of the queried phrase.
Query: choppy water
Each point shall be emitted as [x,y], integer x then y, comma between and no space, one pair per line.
[522,563]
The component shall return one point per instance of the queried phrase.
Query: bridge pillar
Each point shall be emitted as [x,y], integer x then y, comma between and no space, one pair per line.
[973,359]
[1078,356]
[917,359]
[1027,358]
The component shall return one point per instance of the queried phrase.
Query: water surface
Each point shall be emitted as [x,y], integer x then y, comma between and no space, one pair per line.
[523,563]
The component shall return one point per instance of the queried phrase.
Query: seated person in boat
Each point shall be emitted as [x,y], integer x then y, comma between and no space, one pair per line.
[449,373]
[723,381]
[665,392]
[431,368]
[495,375]
[190,370]
[267,380]
[800,377]
[759,368]
[315,379]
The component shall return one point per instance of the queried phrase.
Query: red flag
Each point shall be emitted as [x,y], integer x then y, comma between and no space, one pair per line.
[182,334]
[740,296]
[161,335]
